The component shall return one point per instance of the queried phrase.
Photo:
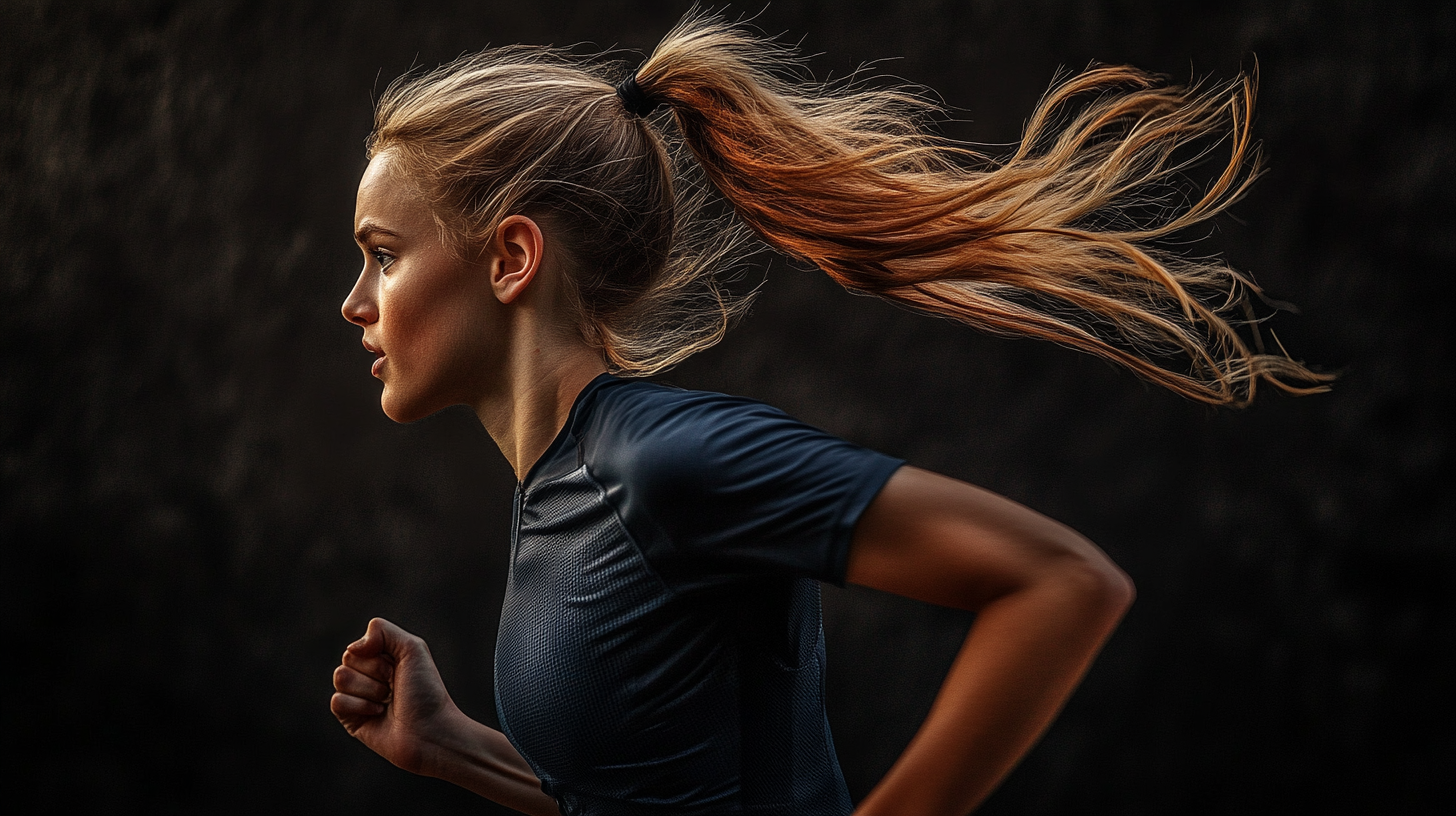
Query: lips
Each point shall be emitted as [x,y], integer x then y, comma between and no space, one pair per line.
[378,353]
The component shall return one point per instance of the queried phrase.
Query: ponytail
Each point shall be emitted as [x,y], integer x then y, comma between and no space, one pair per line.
[1062,240]
[1059,241]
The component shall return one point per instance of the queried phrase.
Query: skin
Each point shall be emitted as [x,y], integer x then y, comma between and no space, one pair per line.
[492,331]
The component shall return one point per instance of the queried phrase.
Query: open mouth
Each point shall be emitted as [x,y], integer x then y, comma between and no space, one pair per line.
[378,355]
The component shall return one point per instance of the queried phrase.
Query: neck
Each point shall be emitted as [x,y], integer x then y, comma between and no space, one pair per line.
[542,383]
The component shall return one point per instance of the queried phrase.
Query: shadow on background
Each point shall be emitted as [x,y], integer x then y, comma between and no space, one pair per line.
[202,503]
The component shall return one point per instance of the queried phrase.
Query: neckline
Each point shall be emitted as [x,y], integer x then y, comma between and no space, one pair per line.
[597,382]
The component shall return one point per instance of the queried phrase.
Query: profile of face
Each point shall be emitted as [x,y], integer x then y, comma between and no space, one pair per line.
[432,319]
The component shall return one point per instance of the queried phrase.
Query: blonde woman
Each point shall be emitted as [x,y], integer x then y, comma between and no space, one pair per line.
[535,238]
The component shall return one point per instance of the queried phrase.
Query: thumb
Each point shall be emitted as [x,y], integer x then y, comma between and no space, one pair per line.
[383,637]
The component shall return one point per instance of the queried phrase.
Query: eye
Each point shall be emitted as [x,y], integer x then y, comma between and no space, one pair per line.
[384,259]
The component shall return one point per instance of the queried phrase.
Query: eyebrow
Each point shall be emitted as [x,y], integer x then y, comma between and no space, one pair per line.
[370,228]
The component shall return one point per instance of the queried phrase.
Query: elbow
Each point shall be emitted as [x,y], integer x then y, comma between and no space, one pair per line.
[1098,581]
[1118,590]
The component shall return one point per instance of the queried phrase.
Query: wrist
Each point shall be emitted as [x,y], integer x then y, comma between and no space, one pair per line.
[445,743]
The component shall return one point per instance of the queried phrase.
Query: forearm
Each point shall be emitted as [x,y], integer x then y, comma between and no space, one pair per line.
[1022,659]
[481,760]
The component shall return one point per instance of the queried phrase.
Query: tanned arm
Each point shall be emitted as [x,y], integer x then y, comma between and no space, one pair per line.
[1046,599]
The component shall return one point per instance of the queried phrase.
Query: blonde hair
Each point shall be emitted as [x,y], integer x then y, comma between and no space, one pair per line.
[1060,240]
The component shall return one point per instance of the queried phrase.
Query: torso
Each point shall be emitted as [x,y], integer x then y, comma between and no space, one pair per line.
[660,648]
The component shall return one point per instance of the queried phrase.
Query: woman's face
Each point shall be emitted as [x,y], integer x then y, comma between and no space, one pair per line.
[426,313]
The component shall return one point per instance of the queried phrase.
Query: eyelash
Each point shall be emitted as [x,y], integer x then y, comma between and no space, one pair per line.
[384,259]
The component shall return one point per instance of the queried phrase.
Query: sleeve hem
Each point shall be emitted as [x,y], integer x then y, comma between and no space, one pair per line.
[872,481]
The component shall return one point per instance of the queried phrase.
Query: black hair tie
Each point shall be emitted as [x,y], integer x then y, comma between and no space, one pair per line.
[634,99]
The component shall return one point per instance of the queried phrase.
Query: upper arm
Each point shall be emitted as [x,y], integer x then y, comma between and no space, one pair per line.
[940,540]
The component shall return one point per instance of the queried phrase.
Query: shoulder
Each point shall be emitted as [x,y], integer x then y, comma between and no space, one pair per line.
[732,480]
[644,407]
[657,436]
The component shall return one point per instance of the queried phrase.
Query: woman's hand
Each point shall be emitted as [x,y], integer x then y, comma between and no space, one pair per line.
[1045,599]
[389,695]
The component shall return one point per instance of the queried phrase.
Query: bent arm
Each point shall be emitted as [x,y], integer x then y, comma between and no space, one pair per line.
[389,696]
[1046,600]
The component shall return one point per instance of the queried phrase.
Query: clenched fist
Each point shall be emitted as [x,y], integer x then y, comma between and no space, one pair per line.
[389,695]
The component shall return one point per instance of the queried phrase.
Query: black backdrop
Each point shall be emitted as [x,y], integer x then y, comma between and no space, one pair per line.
[202,503]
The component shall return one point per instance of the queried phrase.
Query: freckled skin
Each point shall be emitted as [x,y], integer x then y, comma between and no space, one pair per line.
[433,314]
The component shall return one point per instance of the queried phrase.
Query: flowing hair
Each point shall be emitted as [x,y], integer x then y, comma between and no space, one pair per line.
[1067,239]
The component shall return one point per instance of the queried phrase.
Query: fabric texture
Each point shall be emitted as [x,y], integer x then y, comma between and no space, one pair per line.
[661,649]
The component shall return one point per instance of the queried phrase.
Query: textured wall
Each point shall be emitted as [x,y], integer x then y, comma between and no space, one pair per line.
[202,503]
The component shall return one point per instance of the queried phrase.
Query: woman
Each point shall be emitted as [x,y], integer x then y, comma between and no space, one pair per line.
[530,230]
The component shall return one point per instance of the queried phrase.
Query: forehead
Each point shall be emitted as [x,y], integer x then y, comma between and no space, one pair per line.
[387,199]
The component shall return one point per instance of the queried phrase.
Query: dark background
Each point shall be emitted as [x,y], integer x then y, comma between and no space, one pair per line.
[202,503]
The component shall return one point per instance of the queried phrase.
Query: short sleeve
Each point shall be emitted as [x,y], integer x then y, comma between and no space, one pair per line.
[724,485]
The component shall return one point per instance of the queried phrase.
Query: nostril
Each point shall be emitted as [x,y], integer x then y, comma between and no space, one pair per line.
[356,313]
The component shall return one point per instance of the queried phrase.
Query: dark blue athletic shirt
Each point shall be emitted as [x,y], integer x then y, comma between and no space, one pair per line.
[660,648]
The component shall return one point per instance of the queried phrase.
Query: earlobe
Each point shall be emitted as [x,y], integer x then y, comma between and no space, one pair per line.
[519,246]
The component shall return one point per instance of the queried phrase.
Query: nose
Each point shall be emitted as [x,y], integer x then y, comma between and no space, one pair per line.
[359,307]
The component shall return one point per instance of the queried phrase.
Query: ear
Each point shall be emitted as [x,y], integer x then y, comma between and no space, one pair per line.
[517,248]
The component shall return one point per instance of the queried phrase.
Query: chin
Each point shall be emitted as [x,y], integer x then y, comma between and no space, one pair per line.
[404,410]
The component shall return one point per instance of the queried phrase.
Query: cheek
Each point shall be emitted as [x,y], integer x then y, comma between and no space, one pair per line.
[416,334]
[434,332]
